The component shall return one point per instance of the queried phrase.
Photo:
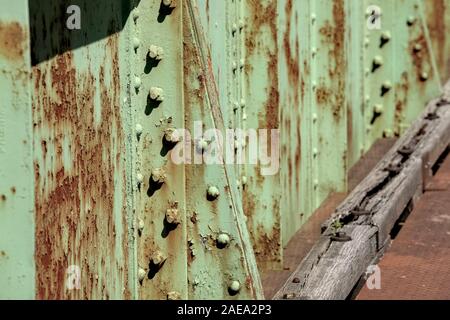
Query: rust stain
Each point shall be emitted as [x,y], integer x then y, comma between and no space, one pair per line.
[74,206]
[437,28]
[12,41]
[333,36]
[421,59]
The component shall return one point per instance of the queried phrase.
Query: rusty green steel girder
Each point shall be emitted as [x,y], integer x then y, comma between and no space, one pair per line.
[92,204]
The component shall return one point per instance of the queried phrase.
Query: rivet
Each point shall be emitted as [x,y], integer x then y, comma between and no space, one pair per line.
[213,193]
[156,52]
[313,17]
[136,43]
[386,87]
[139,130]
[378,108]
[314,51]
[315,152]
[234,28]
[158,258]
[385,36]
[234,286]
[139,178]
[141,225]
[234,66]
[316,183]
[417,47]
[377,62]
[241,24]
[366,42]
[159,175]
[244,116]
[367,99]
[235,106]
[387,133]
[244,180]
[242,63]
[171,136]
[141,274]
[137,82]
[223,240]
[424,76]
[314,117]
[242,103]
[172,216]
[156,94]
[168,3]
[202,144]
[173,295]
[314,84]
[135,14]
[411,20]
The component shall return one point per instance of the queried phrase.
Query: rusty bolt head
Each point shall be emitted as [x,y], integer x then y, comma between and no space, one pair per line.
[173,295]
[417,47]
[171,136]
[158,258]
[137,82]
[234,286]
[223,240]
[159,175]
[156,52]
[172,216]
[157,94]
[213,192]
[141,274]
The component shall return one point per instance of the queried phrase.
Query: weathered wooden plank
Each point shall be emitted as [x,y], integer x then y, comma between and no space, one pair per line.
[332,268]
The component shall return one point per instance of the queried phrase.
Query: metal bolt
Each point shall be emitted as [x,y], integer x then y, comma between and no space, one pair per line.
[141,274]
[242,63]
[172,216]
[386,36]
[234,65]
[241,24]
[137,82]
[314,51]
[234,286]
[313,17]
[234,28]
[136,43]
[156,94]
[386,87]
[158,258]
[171,136]
[314,117]
[159,175]
[213,192]
[156,52]
[173,295]
[223,240]
[168,3]
[244,180]
[315,152]
[242,103]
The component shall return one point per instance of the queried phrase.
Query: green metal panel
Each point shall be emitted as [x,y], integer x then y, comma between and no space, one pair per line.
[79,136]
[17,265]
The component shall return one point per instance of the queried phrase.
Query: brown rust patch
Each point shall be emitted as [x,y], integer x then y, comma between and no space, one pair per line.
[421,59]
[260,15]
[436,17]
[75,206]
[12,41]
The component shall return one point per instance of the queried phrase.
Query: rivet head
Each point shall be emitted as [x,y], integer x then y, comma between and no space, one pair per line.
[315,152]
[377,62]
[139,129]
[411,20]
[387,85]
[172,216]
[234,66]
[137,82]
[314,117]
[313,17]
[241,24]
[135,14]
[202,145]
[424,76]
[234,287]
[139,178]
[213,193]
[378,108]
[386,36]
[244,180]
[223,240]
[242,103]
[141,274]
[157,94]
[158,258]
[171,136]
[173,295]
[417,47]
[159,175]
[136,43]
[141,225]
[156,52]
[169,3]
[234,28]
